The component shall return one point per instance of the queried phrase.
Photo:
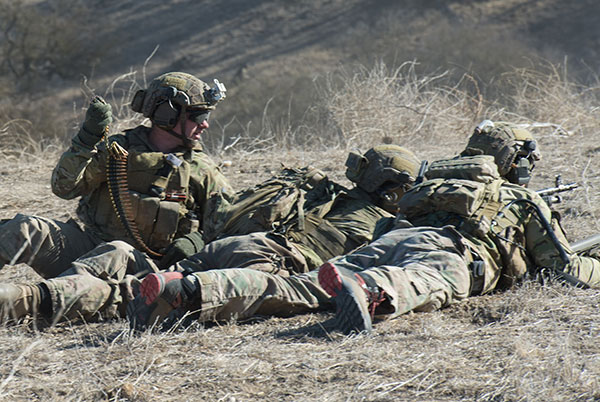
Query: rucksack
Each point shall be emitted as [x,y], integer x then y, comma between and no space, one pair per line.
[466,187]
[465,193]
[271,204]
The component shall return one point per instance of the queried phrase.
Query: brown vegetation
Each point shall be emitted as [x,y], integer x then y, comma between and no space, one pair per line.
[532,343]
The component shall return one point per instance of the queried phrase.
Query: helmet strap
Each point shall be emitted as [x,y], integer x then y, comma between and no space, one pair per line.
[182,121]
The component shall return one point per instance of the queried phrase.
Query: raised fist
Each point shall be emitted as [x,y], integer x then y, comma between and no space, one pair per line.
[97,117]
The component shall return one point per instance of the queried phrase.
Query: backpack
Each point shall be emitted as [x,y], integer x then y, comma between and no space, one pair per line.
[465,192]
[271,204]
[466,186]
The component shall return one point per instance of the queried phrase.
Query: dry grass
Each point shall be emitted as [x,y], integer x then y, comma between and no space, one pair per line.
[533,343]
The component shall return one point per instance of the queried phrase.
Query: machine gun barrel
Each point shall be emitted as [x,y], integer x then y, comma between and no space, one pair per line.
[551,194]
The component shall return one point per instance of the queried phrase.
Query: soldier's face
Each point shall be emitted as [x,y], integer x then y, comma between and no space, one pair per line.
[192,130]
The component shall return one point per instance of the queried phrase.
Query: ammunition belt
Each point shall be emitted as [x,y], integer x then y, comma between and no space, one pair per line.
[118,188]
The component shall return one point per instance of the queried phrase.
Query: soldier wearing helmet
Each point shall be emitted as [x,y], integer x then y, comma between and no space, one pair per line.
[160,192]
[513,148]
[333,221]
[386,171]
[482,233]
[178,104]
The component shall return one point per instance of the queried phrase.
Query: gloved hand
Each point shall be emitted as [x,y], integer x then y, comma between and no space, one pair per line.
[181,248]
[97,118]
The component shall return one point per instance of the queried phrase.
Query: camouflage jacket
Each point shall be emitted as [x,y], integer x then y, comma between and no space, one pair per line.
[81,172]
[510,239]
[337,227]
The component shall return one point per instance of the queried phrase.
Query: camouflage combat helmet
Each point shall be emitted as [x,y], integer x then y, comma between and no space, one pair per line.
[169,96]
[513,148]
[382,165]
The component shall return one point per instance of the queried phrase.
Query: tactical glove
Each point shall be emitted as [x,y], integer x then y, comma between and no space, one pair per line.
[181,248]
[97,118]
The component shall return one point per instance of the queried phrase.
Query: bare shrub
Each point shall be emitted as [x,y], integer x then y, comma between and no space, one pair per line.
[398,105]
[41,40]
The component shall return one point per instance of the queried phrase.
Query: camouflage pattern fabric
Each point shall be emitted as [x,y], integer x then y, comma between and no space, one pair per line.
[92,286]
[420,269]
[517,243]
[241,293]
[46,245]
[348,223]
[261,251]
[50,246]
[82,172]
[337,228]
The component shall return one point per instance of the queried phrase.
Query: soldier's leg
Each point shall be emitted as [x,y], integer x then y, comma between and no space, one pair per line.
[425,270]
[94,283]
[225,294]
[46,245]
[260,251]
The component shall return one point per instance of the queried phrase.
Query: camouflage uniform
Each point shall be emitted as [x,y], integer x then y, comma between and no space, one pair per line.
[50,246]
[469,231]
[334,228]
[426,268]
[416,268]
[333,221]
[351,222]
[167,197]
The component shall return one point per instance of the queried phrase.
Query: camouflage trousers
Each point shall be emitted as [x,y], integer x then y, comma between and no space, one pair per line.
[420,269]
[260,251]
[95,283]
[46,245]
[239,293]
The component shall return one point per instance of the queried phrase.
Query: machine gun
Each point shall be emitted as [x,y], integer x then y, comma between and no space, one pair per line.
[551,194]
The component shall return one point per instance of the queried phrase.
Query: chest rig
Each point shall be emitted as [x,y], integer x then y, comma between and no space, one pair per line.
[150,196]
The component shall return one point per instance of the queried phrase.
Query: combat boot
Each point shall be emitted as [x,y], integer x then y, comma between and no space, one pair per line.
[162,300]
[355,302]
[18,301]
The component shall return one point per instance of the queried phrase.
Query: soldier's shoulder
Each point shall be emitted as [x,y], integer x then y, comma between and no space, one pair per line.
[203,162]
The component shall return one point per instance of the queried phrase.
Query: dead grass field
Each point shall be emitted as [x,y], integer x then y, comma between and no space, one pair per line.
[532,343]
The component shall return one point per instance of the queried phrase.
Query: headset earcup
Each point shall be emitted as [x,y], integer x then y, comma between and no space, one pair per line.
[138,101]
[166,115]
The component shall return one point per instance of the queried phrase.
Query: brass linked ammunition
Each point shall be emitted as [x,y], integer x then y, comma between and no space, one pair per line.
[118,188]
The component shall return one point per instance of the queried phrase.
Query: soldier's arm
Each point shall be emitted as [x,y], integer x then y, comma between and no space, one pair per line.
[546,254]
[80,168]
[207,182]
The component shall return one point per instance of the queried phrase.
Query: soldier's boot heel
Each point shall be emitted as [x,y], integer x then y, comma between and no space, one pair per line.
[162,300]
[154,285]
[352,298]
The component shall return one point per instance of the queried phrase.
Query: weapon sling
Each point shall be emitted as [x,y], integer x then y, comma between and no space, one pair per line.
[118,188]
[571,279]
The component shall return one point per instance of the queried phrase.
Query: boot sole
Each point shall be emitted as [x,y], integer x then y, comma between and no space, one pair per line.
[352,310]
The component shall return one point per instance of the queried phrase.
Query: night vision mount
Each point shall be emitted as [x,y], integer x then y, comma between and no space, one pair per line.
[216,93]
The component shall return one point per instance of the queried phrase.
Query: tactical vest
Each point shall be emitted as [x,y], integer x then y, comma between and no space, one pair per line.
[465,193]
[161,205]
[336,227]
[159,191]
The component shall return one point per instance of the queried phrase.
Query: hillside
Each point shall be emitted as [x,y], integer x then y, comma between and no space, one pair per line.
[535,342]
[269,52]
